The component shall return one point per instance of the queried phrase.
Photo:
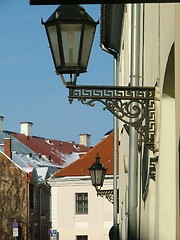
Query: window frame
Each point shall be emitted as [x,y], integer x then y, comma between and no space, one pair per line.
[84,202]
[81,237]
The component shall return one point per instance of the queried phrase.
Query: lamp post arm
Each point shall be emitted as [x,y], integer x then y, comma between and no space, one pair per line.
[132,105]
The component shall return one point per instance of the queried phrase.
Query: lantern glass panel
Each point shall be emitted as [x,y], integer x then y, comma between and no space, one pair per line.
[87,44]
[99,178]
[93,176]
[71,35]
[53,39]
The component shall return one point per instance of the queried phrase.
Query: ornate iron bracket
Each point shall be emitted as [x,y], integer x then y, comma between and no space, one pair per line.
[152,168]
[107,193]
[132,105]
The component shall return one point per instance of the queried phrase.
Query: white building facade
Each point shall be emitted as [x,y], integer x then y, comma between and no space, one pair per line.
[157,192]
[77,212]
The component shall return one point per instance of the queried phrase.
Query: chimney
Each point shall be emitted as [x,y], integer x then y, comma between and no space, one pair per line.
[7,147]
[26,128]
[85,139]
[1,123]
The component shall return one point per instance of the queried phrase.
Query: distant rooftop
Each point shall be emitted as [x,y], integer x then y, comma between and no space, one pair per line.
[80,167]
[44,151]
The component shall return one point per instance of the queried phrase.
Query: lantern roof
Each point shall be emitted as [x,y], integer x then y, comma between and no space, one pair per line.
[97,165]
[70,12]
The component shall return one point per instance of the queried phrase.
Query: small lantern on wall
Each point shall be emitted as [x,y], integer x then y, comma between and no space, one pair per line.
[97,172]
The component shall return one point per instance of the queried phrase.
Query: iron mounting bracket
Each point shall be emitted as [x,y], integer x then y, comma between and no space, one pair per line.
[109,194]
[132,105]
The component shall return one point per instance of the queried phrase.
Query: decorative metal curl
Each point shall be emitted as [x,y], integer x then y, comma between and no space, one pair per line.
[107,193]
[132,105]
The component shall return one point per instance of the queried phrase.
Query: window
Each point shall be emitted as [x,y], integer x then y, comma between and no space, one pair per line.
[81,204]
[82,237]
[31,196]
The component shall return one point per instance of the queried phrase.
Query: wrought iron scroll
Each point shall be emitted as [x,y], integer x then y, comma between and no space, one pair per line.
[152,168]
[132,105]
[107,193]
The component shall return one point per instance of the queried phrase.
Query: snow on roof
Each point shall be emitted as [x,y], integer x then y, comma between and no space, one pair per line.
[42,172]
[28,169]
[28,164]
[69,158]
[20,161]
[52,150]
[38,151]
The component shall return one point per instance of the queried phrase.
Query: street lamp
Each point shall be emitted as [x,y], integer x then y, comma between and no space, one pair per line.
[70,31]
[97,172]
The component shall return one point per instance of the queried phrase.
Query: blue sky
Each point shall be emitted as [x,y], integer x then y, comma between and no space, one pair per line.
[30,89]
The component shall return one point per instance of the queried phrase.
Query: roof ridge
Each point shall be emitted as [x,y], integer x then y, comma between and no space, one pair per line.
[47,138]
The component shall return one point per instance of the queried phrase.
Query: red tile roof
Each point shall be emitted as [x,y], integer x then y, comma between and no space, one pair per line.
[52,149]
[80,166]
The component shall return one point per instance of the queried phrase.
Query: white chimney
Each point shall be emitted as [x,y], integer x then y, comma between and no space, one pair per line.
[85,139]
[1,123]
[26,128]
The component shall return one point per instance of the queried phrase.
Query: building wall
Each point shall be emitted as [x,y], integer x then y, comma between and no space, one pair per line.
[96,224]
[177,109]
[158,215]
[13,199]
[123,173]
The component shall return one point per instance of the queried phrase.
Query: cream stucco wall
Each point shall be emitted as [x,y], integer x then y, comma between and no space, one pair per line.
[177,109]
[159,214]
[123,173]
[96,224]
[165,220]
